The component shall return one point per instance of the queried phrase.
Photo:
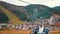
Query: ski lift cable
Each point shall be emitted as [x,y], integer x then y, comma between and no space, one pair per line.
[24,1]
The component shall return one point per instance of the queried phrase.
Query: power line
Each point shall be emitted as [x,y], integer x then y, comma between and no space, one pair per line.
[24,1]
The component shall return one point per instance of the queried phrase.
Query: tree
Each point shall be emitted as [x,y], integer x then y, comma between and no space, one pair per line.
[3,18]
[56,10]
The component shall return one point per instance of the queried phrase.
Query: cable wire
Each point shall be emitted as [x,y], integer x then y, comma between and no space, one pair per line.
[24,1]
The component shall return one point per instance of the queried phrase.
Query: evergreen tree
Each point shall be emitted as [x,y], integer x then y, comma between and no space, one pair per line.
[3,18]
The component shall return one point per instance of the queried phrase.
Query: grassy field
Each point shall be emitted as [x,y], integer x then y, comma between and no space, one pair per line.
[25,32]
[15,31]
[54,32]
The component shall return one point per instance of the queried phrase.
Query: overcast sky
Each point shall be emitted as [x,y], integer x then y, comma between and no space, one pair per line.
[50,3]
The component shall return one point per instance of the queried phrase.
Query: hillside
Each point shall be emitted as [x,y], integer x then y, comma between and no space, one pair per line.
[56,10]
[27,13]
[18,11]
[12,19]
[36,11]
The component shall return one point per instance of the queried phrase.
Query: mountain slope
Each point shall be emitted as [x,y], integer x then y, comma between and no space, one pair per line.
[28,13]
[18,11]
[12,19]
[56,10]
[36,11]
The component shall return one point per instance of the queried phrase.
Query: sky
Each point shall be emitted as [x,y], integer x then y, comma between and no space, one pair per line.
[50,3]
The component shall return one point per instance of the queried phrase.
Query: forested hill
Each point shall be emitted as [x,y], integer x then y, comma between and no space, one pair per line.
[21,14]
[56,10]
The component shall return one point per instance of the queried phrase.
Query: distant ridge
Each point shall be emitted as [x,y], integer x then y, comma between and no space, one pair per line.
[57,7]
[56,10]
